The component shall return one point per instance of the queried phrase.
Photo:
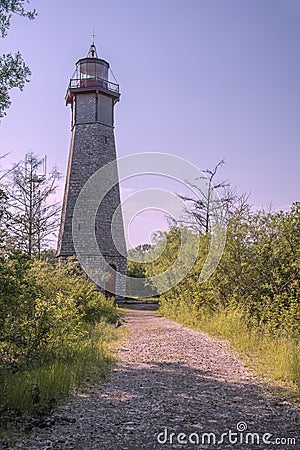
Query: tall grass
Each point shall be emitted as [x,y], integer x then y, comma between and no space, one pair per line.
[275,357]
[41,384]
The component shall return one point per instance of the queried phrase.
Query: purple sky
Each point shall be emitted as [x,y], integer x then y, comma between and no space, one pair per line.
[200,79]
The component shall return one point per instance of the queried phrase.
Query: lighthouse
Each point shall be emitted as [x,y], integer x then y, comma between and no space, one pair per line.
[92,97]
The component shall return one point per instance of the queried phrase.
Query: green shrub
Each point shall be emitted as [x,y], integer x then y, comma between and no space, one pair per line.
[55,332]
[253,297]
[44,306]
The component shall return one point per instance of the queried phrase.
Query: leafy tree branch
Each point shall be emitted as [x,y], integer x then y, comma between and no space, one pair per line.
[14,73]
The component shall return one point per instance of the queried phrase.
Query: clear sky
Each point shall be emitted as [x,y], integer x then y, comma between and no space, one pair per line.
[200,79]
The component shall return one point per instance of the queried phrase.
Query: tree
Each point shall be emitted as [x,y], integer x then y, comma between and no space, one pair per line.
[3,200]
[3,208]
[32,219]
[13,71]
[214,200]
[137,258]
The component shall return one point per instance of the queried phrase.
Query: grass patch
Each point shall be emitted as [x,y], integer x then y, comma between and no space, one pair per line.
[274,357]
[38,387]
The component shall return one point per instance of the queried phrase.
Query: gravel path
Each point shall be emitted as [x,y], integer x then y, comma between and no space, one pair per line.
[170,379]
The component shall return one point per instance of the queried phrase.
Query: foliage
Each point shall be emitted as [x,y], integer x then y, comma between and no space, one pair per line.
[135,261]
[43,307]
[54,330]
[255,288]
[13,71]
[55,326]
[13,74]
[259,271]
[9,7]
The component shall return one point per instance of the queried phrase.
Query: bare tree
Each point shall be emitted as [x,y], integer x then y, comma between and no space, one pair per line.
[3,206]
[214,200]
[33,219]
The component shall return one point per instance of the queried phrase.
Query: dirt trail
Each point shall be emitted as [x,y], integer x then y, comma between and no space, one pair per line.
[171,379]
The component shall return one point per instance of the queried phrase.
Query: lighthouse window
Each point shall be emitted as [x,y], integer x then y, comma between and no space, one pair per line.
[106,140]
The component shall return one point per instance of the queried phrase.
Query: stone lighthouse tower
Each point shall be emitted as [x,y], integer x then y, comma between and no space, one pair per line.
[92,98]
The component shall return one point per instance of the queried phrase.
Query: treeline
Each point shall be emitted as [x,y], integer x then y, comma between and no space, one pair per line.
[253,297]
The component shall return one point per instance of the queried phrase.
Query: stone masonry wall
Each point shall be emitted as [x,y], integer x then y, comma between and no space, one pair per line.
[92,147]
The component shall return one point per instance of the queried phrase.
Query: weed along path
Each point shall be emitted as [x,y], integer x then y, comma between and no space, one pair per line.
[172,388]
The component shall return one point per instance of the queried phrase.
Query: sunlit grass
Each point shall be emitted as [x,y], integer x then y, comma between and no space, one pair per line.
[275,357]
[37,388]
